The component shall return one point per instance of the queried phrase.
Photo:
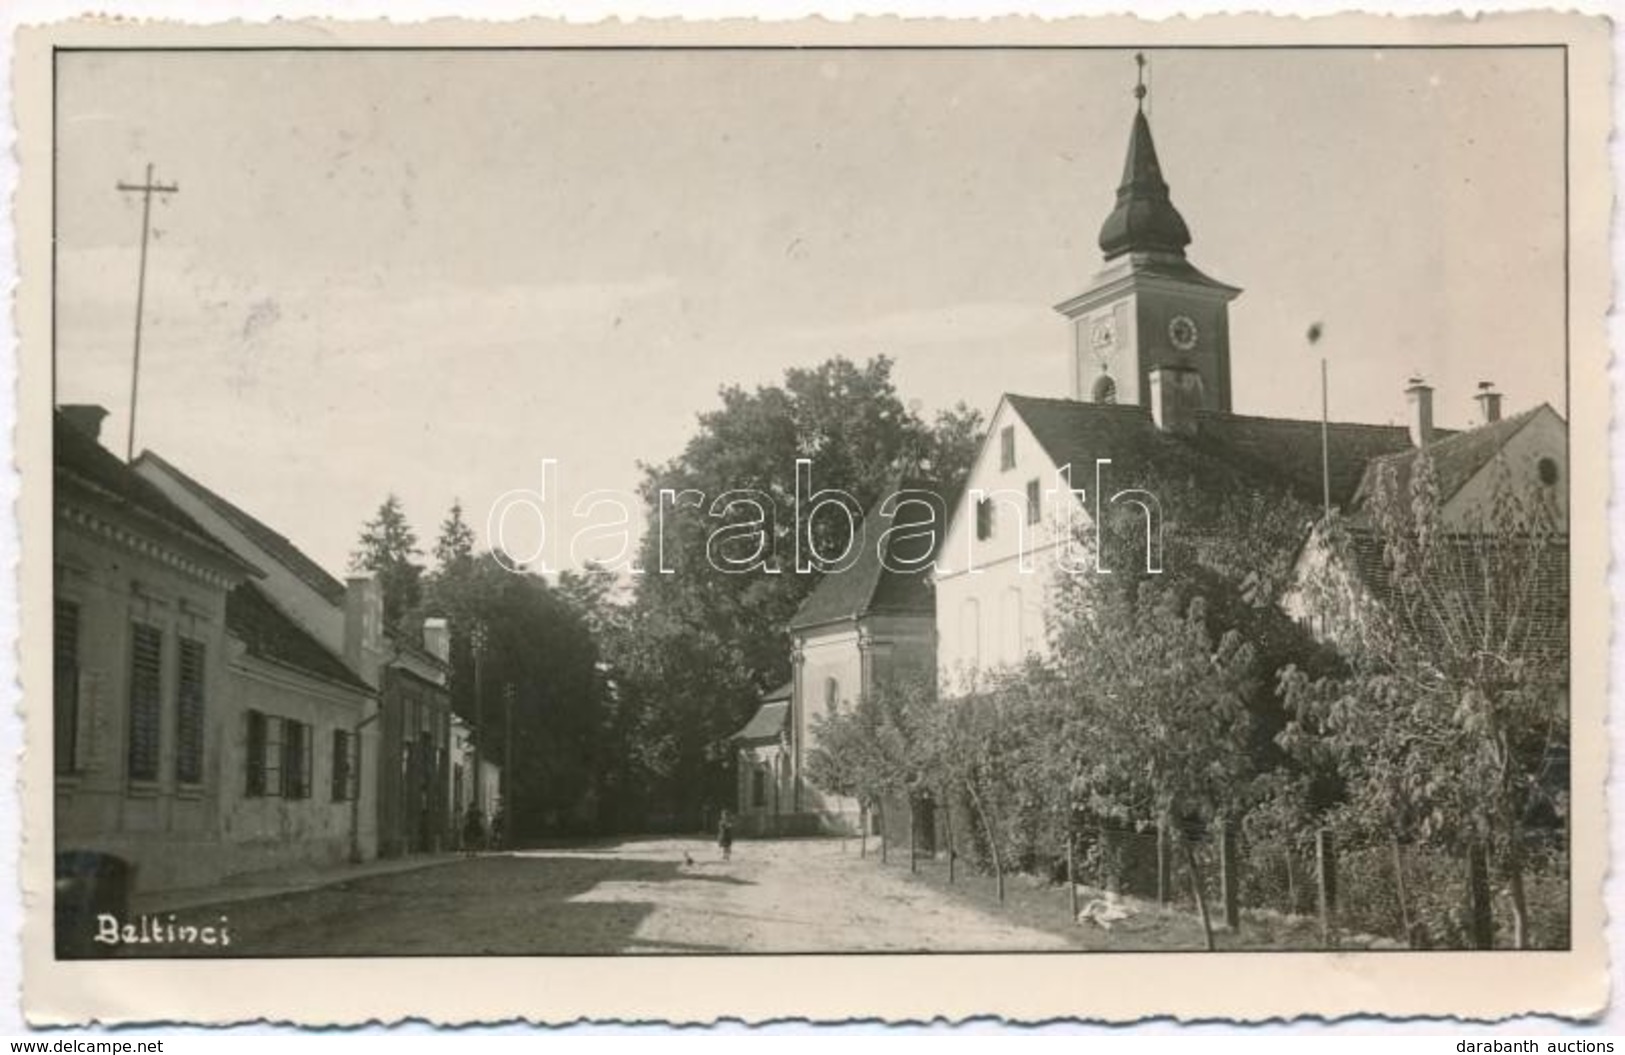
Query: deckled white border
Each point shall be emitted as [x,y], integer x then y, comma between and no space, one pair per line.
[24,12]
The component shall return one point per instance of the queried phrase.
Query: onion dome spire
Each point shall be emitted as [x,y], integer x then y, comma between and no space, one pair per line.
[1144,219]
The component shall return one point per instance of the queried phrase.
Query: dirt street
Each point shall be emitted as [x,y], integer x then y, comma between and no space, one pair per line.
[636,896]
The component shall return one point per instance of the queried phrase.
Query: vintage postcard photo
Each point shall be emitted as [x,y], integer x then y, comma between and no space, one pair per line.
[1084,519]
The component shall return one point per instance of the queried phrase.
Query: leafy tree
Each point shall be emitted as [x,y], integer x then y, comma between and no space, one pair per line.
[847,756]
[538,704]
[704,642]
[1159,725]
[387,549]
[1451,719]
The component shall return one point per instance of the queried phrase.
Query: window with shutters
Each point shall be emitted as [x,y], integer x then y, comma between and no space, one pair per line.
[1035,502]
[341,765]
[189,709]
[267,754]
[65,712]
[146,701]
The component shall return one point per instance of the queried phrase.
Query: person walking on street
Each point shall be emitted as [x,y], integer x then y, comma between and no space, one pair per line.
[725,835]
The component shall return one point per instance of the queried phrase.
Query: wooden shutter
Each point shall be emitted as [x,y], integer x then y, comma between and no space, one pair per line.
[189,713]
[341,765]
[256,754]
[65,711]
[146,700]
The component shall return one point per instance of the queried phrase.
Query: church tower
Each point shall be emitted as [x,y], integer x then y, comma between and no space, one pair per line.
[1148,307]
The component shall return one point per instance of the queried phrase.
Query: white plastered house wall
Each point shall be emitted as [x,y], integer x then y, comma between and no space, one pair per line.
[994,594]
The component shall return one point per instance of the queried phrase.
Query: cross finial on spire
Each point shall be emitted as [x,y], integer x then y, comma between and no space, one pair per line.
[1139,82]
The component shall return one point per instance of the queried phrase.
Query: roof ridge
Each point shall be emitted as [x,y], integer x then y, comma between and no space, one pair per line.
[1230,415]
[247,522]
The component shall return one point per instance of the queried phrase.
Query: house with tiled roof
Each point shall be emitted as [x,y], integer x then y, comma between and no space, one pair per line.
[867,624]
[1521,459]
[141,683]
[403,744]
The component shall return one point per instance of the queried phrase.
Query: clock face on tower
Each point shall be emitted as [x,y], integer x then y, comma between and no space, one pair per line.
[1182,332]
[1103,335]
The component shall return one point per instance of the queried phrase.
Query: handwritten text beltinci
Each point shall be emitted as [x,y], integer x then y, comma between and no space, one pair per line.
[747,530]
[156,930]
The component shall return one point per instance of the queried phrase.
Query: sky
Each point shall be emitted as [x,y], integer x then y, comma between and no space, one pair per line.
[428,273]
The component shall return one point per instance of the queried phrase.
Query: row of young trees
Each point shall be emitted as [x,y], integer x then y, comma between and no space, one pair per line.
[1188,703]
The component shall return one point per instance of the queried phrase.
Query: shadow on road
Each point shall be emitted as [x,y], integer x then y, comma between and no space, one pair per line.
[545,904]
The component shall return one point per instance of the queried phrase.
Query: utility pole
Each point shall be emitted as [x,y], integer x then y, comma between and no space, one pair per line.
[146,189]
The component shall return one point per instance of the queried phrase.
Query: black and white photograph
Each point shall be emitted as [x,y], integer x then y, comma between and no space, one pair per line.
[712,501]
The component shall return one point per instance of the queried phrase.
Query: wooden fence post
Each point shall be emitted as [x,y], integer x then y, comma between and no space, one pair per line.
[1164,864]
[913,835]
[1229,876]
[1072,872]
[1478,897]
[1326,869]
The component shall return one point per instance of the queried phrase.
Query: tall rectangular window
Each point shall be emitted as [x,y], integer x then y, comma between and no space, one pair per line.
[1035,502]
[65,685]
[146,700]
[1007,447]
[984,518]
[189,710]
[296,758]
[341,765]
[267,754]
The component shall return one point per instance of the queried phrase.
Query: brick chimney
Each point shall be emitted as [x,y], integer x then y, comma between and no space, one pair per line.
[364,626]
[1419,397]
[84,417]
[1489,403]
[437,639]
[1176,395]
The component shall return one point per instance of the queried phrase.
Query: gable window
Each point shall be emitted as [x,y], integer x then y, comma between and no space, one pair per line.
[1035,502]
[146,700]
[65,686]
[1007,447]
[189,708]
[984,518]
